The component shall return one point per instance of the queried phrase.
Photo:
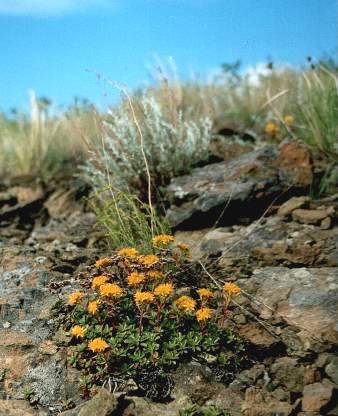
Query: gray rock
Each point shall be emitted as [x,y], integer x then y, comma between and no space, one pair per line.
[288,373]
[238,181]
[292,204]
[304,298]
[310,216]
[244,185]
[102,404]
[332,369]
[316,396]
[144,407]
[18,408]
[259,402]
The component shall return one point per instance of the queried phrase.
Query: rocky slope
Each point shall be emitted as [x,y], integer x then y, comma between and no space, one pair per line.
[285,262]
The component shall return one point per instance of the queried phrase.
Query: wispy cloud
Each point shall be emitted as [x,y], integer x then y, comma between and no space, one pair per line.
[51,7]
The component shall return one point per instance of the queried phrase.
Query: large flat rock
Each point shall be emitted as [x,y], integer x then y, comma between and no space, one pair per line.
[305,298]
[245,185]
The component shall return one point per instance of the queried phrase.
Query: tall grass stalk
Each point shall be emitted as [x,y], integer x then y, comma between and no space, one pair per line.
[128,221]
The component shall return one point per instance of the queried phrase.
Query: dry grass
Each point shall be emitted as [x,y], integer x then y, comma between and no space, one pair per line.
[42,145]
[172,116]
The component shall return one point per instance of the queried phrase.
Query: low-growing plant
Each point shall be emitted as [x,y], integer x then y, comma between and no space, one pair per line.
[133,316]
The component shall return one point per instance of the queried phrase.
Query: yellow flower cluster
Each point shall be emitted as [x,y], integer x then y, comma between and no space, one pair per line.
[231,289]
[203,314]
[205,293]
[148,260]
[143,297]
[102,262]
[185,303]
[98,281]
[183,247]
[155,274]
[289,120]
[75,297]
[135,279]
[271,129]
[147,280]
[162,239]
[111,290]
[98,345]
[128,252]
[164,290]
[93,307]
[78,331]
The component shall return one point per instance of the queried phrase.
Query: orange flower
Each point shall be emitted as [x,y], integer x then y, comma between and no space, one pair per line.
[148,260]
[128,252]
[205,293]
[186,303]
[155,274]
[75,297]
[98,345]
[111,290]
[93,307]
[289,120]
[102,262]
[183,247]
[135,279]
[231,289]
[78,331]
[271,129]
[99,280]
[164,290]
[203,314]
[162,239]
[143,297]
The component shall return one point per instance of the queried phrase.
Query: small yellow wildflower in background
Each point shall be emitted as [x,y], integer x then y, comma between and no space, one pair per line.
[102,262]
[143,297]
[155,274]
[186,303]
[99,280]
[128,252]
[271,128]
[93,307]
[148,260]
[75,298]
[231,289]
[78,331]
[111,290]
[135,279]
[98,345]
[205,293]
[164,290]
[289,120]
[162,239]
[183,247]
[203,314]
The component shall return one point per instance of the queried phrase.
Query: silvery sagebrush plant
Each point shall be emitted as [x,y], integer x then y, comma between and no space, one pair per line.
[172,145]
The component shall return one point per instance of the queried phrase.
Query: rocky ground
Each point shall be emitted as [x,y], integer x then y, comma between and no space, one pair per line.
[248,218]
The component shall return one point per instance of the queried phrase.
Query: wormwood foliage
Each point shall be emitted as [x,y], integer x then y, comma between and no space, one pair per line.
[132,316]
[173,143]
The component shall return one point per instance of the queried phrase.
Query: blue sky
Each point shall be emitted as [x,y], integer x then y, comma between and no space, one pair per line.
[47,45]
